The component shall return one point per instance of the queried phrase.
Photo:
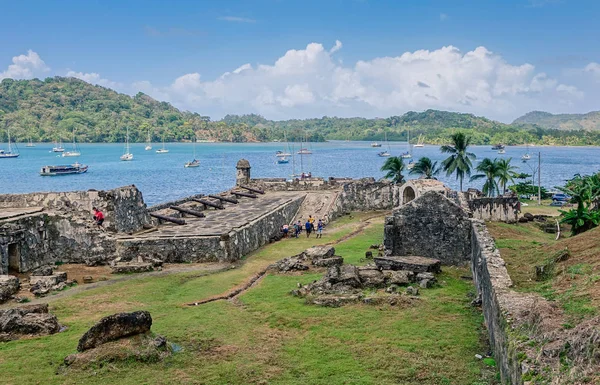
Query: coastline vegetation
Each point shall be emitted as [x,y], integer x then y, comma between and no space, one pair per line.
[52,109]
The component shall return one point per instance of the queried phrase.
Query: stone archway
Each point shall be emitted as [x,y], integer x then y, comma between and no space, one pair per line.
[408,194]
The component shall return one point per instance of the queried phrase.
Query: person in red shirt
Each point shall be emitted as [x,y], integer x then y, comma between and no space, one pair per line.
[98,217]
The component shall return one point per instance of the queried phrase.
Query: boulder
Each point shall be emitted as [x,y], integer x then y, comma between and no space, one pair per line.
[317,252]
[411,290]
[9,286]
[295,263]
[371,277]
[400,277]
[369,255]
[114,327]
[43,284]
[523,220]
[426,280]
[131,267]
[346,275]
[43,270]
[410,263]
[27,320]
[528,216]
[326,262]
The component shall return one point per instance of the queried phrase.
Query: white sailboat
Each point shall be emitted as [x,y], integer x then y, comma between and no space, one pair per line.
[408,154]
[525,157]
[195,162]
[148,142]
[74,152]
[127,155]
[162,150]
[385,153]
[285,153]
[58,147]
[30,143]
[9,153]
[419,142]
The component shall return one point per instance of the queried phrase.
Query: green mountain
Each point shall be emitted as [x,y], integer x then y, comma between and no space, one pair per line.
[51,109]
[587,122]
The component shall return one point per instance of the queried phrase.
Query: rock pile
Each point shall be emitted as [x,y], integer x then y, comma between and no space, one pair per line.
[345,283]
[318,256]
[26,321]
[9,286]
[44,280]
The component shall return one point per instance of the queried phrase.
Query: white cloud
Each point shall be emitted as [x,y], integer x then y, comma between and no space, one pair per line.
[593,69]
[336,47]
[95,78]
[237,19]
[25,67]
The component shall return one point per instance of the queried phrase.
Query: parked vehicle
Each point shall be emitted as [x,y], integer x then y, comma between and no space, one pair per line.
[560,197]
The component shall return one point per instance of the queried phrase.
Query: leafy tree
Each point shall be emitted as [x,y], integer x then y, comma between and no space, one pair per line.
[528,188]
[459,161]
[585,193]
[426,168]
[489,170]
[394,166]
[506,173]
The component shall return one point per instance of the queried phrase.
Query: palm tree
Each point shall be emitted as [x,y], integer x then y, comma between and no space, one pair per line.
[394,167]
[460,160]
[506,173]
[489,170]
[425,167]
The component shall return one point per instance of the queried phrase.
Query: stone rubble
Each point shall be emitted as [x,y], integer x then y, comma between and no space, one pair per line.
[9,286]
[318,256]
[26,321]
[41,285]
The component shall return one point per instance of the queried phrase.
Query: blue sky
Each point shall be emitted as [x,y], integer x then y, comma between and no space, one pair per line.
[150,45]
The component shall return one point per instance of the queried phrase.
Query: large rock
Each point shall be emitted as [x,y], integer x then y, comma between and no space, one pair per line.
[410,263]
[371,277]
[43,270]
[131,267]
[327,262]
[43,284]
[114,327]
[319,252]
[400,277]
[9,286]
[346,275]
[27,320]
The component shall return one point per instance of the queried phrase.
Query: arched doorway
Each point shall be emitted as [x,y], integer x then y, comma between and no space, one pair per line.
[408,194]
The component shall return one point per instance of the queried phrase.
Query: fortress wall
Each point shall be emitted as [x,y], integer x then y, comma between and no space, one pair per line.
[500,209]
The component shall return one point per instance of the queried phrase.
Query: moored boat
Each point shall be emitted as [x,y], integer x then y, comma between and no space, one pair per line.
[9,153]
[75,168]
[375,144]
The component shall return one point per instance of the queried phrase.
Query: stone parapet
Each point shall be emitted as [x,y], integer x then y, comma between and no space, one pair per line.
[499,209]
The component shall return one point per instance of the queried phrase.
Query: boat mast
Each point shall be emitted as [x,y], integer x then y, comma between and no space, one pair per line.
[293,162]
[8,133]
[539,178]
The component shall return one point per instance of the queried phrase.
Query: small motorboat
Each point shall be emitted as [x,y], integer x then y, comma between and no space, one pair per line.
[406,155]
[304,151]
[375,144]
[282,154]
[283,160]
[502,151]
[498,146]
[162,151]
[383,154]
[410,165]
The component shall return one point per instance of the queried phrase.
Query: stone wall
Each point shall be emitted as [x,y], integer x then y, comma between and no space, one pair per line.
[215,248]
[123,207]
[500,209]
[493,285]
[430,226]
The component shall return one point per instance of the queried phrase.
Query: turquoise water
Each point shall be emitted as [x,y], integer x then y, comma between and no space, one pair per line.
[162,177]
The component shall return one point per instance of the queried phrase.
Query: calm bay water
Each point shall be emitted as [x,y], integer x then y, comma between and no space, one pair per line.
[162,177]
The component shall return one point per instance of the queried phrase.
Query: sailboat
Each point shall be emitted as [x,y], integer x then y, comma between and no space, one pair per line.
[195,162]
[502,151]
[408,154]
[58,147]
[9,153]
[127,155]
[419,142]
[74,152]
[304,151]
[30,143]
[148,142]
[282,156]
[525,157]
[162,150]
[385,153]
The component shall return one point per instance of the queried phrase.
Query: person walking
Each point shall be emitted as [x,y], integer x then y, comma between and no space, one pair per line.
[285,230]
[312,221]
[320,228]
[308,227]
[297,229]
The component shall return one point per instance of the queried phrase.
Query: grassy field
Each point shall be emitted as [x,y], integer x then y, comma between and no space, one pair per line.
[266,336]
[574,284]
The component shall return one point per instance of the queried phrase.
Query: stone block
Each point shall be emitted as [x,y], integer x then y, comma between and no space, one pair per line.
[411,290]
[326,262]
[399,277]
[9,286]
[329,300]
[371,277]
[43,270]
[114,327]
[345,274]
[410,263]
[317,252]
[131,267]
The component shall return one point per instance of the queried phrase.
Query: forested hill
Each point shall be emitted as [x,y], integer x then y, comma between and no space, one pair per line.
[588,122]
[51,109]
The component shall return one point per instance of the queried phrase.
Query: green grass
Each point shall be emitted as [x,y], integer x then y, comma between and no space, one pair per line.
[267,335]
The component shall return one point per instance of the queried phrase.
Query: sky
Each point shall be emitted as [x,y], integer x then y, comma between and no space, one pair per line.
[288,59]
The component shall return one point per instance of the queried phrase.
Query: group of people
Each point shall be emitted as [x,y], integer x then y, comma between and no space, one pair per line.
[310,226]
